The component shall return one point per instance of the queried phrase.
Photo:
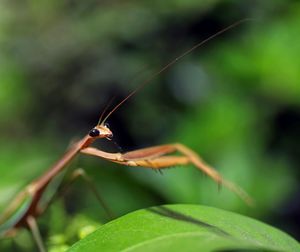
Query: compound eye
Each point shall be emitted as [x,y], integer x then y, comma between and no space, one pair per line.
[94,133]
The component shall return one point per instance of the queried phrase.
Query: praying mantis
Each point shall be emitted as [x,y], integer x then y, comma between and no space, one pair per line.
[26,206]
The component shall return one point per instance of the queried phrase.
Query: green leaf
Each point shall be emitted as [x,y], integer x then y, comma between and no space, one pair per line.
[185,228]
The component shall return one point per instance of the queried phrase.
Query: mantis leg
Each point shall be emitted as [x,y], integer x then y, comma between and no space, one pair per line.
[80,173]
[156,158]
[31,222]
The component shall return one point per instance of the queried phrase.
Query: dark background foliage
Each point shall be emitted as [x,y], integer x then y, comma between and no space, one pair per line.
[235,101]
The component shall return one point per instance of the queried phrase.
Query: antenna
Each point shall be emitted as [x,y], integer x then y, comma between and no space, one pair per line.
[174,61]
[105,109]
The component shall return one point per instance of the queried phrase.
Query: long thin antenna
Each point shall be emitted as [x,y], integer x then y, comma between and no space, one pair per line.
[173,62]
[105,109]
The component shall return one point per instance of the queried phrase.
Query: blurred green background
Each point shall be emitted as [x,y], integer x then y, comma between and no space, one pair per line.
[235,100]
